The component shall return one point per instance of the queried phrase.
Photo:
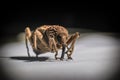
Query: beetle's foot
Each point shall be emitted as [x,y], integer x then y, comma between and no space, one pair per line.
[61,58]
[70,58]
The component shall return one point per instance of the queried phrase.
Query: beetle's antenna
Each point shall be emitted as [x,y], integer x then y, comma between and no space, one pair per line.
[27,47]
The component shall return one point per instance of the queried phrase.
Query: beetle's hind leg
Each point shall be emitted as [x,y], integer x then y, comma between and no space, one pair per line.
[71,41]
[37,35]
[26,41]
[27,37]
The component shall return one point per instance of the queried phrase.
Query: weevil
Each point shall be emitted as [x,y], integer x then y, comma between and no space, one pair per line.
[51,38]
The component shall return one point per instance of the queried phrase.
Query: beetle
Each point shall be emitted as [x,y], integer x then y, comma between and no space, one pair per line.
[51,38]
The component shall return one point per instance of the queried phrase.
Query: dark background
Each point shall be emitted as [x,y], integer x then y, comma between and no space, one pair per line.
[15,17]
[96,16]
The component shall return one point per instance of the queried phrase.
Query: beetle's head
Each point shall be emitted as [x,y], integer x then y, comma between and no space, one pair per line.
[62,38]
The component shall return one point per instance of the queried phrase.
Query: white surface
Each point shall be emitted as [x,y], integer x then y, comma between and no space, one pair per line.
[95,57]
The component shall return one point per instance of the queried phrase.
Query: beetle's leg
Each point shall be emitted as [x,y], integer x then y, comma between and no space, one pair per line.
[53,46]
[63,51]
[26,41]
[34,41]
[40,36]
[56,50]
[71,40]
[27,37]
[62,39]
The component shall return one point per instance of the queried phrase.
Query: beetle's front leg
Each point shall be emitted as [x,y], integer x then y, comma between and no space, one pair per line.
[63,51]
[64,45]
[71,40]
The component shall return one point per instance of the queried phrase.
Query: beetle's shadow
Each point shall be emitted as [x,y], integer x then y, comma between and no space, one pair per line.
[29,59]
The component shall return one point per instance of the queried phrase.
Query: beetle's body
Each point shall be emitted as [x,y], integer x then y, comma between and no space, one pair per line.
[49,38]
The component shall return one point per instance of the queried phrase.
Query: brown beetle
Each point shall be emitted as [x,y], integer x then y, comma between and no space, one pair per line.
[51,38]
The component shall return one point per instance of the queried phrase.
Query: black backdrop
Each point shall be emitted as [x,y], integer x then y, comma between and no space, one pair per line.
[100,17]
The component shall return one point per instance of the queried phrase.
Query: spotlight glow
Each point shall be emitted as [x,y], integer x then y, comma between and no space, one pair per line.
[95,57]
